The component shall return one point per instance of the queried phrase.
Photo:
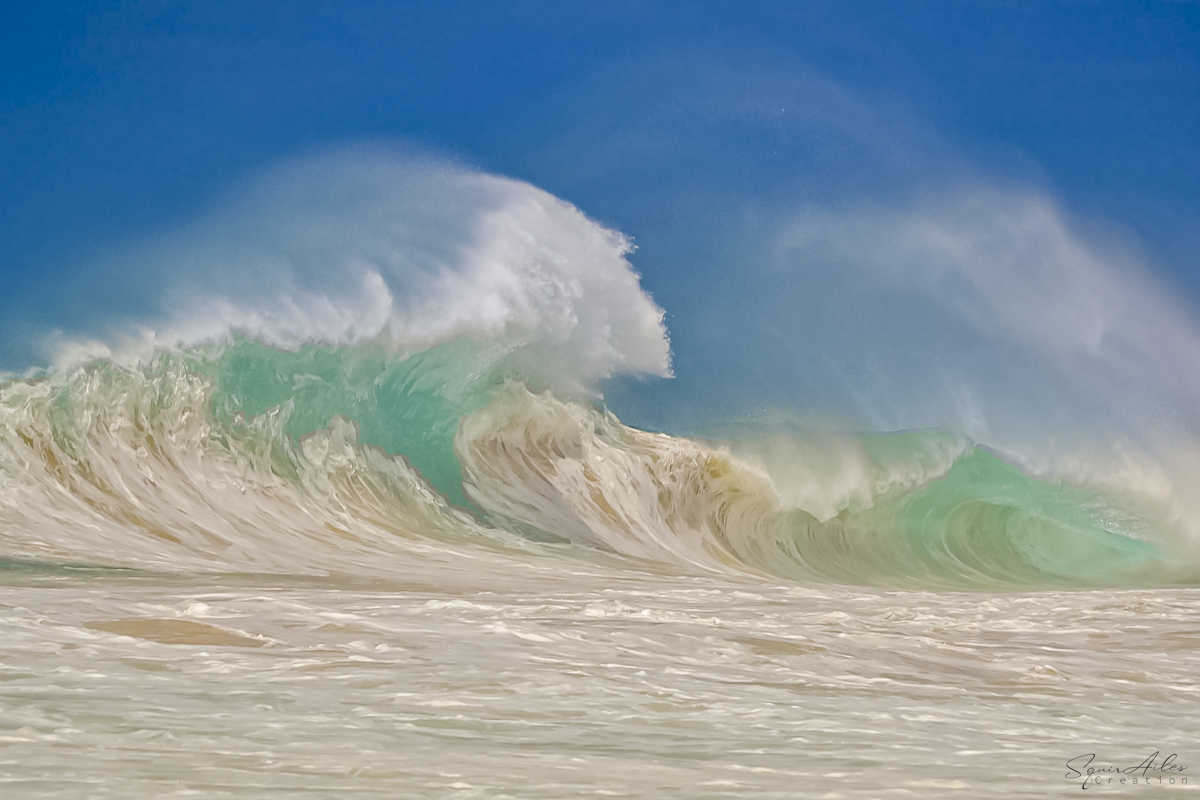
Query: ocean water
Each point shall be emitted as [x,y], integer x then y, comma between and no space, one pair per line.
[379,535]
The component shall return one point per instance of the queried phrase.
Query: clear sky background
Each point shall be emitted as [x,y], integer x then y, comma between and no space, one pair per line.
[752,150]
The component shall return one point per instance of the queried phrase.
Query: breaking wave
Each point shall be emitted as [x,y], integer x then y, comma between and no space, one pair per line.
[240,457]
[370,365]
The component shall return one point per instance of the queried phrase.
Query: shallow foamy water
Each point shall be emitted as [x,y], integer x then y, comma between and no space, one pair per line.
[570,679]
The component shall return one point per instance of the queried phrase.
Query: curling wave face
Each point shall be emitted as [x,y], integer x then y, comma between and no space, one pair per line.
[359,460]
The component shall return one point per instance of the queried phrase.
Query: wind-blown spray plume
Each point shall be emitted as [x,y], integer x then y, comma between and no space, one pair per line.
[990,312]
[363,246]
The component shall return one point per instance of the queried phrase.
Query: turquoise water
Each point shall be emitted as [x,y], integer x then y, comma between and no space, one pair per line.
[452,434]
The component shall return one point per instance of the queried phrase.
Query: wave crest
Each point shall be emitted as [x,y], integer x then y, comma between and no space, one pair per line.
[379,245]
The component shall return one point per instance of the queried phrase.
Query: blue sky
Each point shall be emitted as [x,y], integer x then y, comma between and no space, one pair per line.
[702,130]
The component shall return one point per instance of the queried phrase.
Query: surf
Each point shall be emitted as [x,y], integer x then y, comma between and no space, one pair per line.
[357,364]
[242,457]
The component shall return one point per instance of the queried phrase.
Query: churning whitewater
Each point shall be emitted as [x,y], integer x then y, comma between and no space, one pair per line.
[341,511]
[351,460]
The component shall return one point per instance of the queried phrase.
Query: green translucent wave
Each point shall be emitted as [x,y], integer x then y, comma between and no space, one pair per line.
[406,404]
[555,471]
[986,524]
